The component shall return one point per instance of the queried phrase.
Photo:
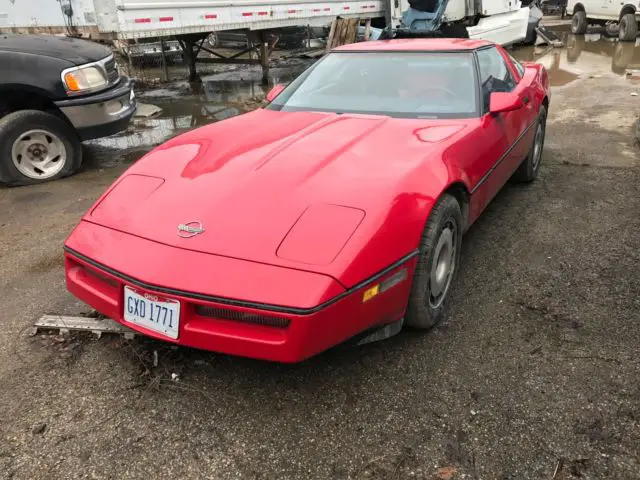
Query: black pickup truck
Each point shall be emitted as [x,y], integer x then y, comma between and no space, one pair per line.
[54,93]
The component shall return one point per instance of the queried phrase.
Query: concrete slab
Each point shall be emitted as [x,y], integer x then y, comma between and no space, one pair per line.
[146,110]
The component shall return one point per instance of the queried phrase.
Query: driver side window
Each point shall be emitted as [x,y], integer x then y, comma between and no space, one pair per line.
[494,74]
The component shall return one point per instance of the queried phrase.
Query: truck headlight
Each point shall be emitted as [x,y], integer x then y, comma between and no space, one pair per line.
[82,79]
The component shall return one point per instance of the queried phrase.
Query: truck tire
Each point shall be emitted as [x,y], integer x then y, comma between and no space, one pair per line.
[36,147]
[579,23]
[628,28]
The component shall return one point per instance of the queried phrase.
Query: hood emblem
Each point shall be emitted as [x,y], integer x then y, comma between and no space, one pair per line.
[190,229]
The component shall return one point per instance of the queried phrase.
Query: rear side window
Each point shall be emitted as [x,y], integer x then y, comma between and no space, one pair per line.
[517,65]
[494,74]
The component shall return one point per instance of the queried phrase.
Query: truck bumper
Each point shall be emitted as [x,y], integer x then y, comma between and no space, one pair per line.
[101,114]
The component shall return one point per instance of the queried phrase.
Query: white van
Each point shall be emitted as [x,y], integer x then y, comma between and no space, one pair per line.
[601,12]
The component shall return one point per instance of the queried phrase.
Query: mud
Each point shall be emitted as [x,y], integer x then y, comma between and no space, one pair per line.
[533,375]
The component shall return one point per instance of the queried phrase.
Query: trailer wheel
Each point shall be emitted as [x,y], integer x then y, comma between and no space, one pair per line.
[579,23]
[212,40]
[35,147]
[628,28]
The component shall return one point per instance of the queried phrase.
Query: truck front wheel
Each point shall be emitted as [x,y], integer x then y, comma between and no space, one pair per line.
[35,147]
[579,23]
[628,28]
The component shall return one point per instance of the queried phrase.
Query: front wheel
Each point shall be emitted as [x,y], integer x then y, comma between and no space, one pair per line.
[628,30]
[528,170]
[437,264]
[36,146]
[579,23]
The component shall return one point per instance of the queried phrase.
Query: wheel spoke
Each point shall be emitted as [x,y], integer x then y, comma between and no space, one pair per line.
[28,166]
[20,153]
[47,164]
[54,151]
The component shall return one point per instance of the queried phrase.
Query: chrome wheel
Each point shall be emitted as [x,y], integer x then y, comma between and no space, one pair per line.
[443,265]
[537,147]
[38,154]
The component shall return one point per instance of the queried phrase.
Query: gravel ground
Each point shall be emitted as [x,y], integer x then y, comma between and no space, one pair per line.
[535,374]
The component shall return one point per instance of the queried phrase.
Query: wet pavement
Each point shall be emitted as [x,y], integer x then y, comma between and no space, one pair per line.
[591,54]
[533,375]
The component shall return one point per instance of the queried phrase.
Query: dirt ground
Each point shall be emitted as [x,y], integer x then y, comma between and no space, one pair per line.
[535,374]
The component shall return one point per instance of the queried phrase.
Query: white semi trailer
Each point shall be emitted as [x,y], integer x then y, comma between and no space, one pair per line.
[190,21]
[503,21]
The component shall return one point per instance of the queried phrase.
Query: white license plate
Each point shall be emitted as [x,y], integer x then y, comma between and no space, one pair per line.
[151,311]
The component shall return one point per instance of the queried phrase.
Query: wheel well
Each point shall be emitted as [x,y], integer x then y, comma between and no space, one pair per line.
[462,195]
[627,9]
[12,100]
[578,7]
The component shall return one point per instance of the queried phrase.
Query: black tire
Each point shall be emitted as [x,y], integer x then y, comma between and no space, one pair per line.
[421,311]
[579,23]
[628,28]
[14,125]
[528,169]
[212,40]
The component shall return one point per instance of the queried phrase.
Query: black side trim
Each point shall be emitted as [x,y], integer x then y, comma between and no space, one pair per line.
[501,159]
[242,303]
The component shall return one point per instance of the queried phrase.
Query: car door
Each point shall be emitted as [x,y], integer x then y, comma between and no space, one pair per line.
[502,131]
[525,90]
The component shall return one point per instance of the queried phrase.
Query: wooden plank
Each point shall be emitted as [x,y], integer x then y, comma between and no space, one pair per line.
[367,29]
[352,31]
[343,31]
[332,33]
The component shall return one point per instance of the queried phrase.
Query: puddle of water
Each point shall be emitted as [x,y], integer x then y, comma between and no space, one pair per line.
[591,54]
[185,107]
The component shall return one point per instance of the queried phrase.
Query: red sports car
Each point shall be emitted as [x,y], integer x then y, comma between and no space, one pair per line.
[333,212]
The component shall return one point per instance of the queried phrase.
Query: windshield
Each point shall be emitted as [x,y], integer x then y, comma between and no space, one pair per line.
[399,84]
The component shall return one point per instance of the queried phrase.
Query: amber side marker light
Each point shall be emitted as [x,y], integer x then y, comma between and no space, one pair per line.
[385,285]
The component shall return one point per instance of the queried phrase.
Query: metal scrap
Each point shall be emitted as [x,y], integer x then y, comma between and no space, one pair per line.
[65,324]
[547,37]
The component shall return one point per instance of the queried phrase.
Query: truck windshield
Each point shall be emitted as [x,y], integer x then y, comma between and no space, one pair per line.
[398,84]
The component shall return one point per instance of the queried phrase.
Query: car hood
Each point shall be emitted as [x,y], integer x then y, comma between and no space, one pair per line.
[290,189]
[73,50]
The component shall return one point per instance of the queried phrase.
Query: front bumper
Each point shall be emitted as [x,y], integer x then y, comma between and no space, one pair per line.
[230,324]
[101,114]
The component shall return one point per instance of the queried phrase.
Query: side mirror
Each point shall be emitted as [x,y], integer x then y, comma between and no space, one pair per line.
[274,92]
[504,102]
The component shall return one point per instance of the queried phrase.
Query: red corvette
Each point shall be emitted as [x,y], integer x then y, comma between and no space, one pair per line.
[336,210]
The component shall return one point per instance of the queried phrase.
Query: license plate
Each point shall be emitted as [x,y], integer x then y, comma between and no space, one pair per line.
[151,311]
